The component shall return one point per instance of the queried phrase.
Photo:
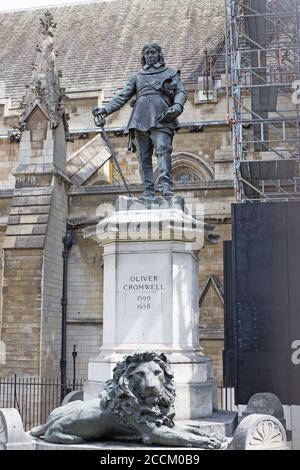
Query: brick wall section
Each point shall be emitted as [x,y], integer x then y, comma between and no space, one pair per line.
[9,158]
[80,112]
[224,163]
[21,316]
[85,280]
[53,281]
[85,303]
[28,218]
[2,235]
[89,205]
[214,349]
[32,283]
[211,313]
[211,256]
[88,338]
[5,203]
[212,330]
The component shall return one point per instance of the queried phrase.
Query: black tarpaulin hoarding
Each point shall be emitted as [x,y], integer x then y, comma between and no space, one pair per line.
[262,314]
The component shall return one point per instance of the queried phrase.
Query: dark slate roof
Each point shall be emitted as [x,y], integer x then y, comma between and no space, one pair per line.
[100,43]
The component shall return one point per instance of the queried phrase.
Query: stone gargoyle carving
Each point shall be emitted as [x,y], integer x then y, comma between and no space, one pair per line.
[136,405]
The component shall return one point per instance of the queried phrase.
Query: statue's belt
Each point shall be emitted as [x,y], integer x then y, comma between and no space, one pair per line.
[161,94]
[144,93]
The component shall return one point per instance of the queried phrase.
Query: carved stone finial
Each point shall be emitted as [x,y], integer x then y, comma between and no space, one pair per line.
[44,90]
[48,24]
[14,134]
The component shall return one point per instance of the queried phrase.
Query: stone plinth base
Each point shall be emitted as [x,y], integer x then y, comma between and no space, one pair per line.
[151,297]
[12,434]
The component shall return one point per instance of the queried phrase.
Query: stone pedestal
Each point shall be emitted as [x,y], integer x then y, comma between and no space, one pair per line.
[151,295]
[12,434]
[259,432]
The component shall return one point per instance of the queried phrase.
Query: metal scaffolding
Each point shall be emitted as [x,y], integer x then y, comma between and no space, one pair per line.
[263,47]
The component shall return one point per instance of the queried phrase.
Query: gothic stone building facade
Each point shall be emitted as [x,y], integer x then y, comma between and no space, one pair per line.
[48,183]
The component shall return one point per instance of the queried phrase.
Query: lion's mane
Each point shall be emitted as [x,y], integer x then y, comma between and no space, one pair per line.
[123,402]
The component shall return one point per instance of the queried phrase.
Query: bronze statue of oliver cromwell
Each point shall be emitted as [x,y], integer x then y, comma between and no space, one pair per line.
[160,97]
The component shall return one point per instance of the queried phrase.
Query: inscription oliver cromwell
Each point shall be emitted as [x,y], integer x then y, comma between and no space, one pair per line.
[142,293]
[143,283]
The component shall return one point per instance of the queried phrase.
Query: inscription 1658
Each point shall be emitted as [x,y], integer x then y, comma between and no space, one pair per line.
[143,302]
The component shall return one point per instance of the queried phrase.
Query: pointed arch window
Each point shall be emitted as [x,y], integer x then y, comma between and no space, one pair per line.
[187,168]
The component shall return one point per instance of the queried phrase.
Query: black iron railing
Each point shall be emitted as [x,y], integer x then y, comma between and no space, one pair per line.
[226,398]
[34,398]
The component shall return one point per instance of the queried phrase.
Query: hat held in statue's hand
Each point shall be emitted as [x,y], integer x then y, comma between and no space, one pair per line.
[170,114]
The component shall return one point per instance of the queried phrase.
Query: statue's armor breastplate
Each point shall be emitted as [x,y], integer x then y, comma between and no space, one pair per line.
[152,100]
[147,83]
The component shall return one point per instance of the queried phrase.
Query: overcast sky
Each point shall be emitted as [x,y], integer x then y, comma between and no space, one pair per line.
[6,5]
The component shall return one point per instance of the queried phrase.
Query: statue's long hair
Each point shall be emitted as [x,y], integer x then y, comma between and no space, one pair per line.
[155,46]
[121,400]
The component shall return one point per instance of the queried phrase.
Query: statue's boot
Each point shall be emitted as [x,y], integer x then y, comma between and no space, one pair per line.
[145,149]
[148,179]
[148,193]
[164,173]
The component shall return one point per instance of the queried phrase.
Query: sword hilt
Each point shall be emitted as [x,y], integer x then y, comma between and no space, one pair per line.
[99,120]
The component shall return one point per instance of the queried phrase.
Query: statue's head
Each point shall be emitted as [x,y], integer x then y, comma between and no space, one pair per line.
[152,54]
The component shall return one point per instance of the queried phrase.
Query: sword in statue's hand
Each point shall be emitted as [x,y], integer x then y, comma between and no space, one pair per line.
[99,118]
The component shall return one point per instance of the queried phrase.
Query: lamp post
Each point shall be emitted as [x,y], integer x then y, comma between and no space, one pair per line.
[68,241]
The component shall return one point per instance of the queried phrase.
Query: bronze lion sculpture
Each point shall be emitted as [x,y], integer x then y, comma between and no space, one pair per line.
[136,405]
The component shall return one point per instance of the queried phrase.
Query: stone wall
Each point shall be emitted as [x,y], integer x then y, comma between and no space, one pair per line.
[4,214]
[5,203]
[87,336]
[2,235]
[80,112]
[32,279]
[214,349]
[85,303]
[21,315]
[9,157]
[53,281]
[211,257]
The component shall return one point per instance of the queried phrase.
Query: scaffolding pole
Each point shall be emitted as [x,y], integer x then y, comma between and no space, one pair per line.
[264,62]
